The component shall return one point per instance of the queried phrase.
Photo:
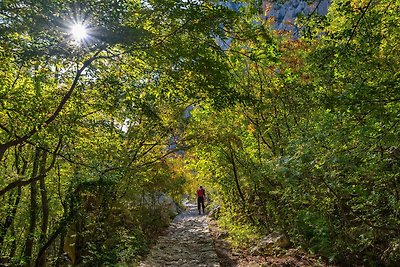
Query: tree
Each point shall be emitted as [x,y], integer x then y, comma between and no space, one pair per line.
[105,108]
[315,134]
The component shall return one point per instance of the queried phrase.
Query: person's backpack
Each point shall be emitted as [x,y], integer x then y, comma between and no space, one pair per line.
[200,192]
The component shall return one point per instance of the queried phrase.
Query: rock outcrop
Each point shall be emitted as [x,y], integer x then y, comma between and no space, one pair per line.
[285,12]
[273,241]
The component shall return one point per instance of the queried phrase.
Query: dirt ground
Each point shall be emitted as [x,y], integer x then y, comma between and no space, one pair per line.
[229,258]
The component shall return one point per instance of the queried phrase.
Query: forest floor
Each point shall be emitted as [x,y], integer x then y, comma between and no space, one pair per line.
[229,257]
[196,240]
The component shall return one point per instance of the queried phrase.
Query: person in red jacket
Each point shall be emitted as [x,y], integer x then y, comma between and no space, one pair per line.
[201,194]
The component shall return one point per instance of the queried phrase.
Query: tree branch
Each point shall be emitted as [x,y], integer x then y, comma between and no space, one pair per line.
[34,130]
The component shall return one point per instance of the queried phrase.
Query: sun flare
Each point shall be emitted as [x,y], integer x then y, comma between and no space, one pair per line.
[79,32]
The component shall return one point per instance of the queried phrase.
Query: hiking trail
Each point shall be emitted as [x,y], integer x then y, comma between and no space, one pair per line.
[187,242]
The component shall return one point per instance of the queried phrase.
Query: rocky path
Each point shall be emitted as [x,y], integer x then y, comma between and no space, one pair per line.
[187,243]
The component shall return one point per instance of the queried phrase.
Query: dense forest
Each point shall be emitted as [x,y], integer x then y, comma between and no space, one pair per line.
[298,134]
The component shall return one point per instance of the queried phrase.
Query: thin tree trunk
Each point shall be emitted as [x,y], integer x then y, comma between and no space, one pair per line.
[17,183]
[232,159]
[235,174]
[13,244]
[32,214]
[21,170]
[60,254]
[66,220]
[7,223]
[45,206]
[11,215]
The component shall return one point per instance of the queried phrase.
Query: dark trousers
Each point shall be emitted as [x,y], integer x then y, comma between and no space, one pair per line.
[200,203]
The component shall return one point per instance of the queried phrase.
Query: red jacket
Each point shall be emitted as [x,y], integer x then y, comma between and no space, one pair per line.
[200,192]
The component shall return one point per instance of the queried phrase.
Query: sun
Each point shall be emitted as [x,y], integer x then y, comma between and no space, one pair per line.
[79,32]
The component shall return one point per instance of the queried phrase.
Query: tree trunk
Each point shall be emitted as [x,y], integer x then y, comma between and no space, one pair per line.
[232,160]
[60,254]
[60,230]
[13,244]
[32,214]
[235,174]
[11,215]
[45,206]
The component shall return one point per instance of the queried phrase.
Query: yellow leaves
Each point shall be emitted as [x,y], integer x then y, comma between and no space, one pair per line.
[358,4]
[267,8]
[293,52]
[243,51]
[390,33]
[251,128]
[290,44]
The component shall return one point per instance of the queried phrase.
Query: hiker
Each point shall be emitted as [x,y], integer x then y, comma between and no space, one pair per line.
[201,193]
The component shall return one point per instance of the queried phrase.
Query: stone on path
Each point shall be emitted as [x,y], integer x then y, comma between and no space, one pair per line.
[187,243]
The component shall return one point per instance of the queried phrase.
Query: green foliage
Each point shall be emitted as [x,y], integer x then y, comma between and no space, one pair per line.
[291,135]
[241,234]
[312,148]
[101,114]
